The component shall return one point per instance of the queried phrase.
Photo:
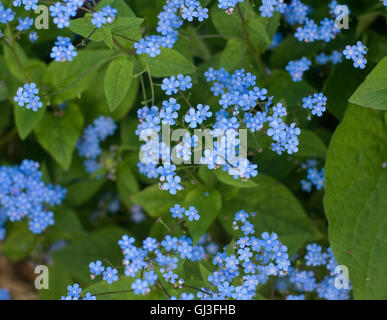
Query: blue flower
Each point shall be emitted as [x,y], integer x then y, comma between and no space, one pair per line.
[74,291]
[110,275]
[177,211]
[170,85]
[96,268]
[172,184]
[192,214]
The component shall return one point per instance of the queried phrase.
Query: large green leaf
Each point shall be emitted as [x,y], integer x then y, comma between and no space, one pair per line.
[27,120]
[224,177]
[231,56]
[126,182]
[82,190]
[96,245]
[372,93]
[276,210]
[208,204]
[168,63]
[118,79]
[340,85]
[156,202]
[58,134]
[19,242]
[69,79]
[311,145]
[356,199]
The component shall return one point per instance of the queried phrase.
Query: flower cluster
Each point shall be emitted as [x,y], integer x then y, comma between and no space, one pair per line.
[63,50]
[170,20]
[89,144]
[178,212]
[296,68]
[63,12]
[74,293]
[24,195]
[28,96]
[335,57]
[316,104]
[238,270]
[106,15]
[228,4]
[356,53]
[296,12]
[310,31]
[314,177]
[305,281]
[28,4]
[268,7]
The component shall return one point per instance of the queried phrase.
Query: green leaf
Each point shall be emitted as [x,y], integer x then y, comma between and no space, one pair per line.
[282,88]
[126,182]
[208,204]
[340,85]
[85,28]
[22,68]
[117,82]
[156,202]
[27,120]
[19,242]
[257,34]
[372,93]
[356,200]
[276,210]
[58,134]
[227,25]
[58,281]
[224,177]
[67,224]
[168,63]
[107,36]
[71,78]
[100,244]
[81,191]
[205,274]
[311,145]
[230,58]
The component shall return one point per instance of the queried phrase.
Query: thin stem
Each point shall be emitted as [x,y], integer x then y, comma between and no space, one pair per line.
[83,42]
[151,84]
[112,292]
[185,98]
[163,288]
[143,90]
[191,287]
[121,36]
[256,56]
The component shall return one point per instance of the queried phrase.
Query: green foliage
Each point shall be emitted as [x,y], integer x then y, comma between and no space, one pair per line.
[168,63]
[355,201]
[90,247]
[372,93]
[157,202]
[118,79]
[208,205]
[276,210]
[58,134]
